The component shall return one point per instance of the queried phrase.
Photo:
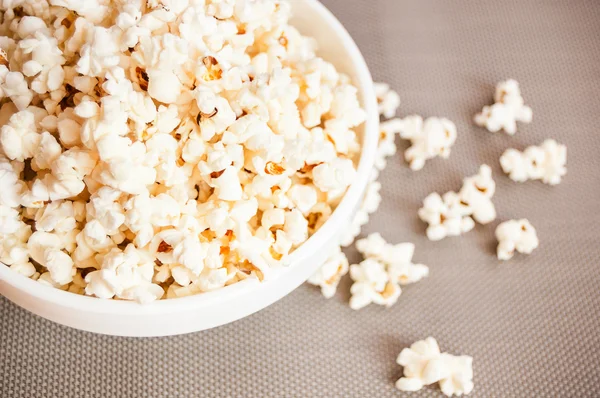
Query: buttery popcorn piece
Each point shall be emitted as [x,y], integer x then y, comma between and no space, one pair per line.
[372,284]
[369,205]
[431,138]
[453,214]
[509,108]
[460,380]
[516,235]
[388,100]
[546,162]
[328,276]
[424,364]
[397,258]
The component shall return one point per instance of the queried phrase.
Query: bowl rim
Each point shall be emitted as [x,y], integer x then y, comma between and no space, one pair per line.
[339,217]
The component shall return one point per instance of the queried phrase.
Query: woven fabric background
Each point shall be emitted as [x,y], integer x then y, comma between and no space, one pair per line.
[531,324]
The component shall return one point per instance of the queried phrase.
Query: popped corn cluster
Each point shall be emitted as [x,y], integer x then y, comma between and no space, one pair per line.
[509,108]
[388,100]
[430,138]
[455,213]
[516,235]
[424,364]
[386,267]
[328,276]
[154,149]
[546,162]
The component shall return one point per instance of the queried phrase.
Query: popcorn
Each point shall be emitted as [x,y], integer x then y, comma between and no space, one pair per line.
[453,214]
[446,216]
[517,235]
[304,197]
[10,186]
[477,192]
[372,284]
[19,138]
[424,365]
[228,185]
[430,138]
[387,146]
[328,276]
[546,162]
[397,259]
[126,274]
[15,87]
[333,176]
[369,205]
[186,145]
[507,111]
[460,380]
[39,242]
[60,266]
[388,100]
[372,198]
[57,216]
[361,218]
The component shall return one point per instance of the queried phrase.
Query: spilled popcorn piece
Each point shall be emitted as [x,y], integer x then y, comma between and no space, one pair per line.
[430,138]
[516,235]
[546,162]
[378,278]
[446,216]
[372,284]
[387,146]
[455,213]
[509,108]
[369,205]
[329,275]
[388,100]
[397,258]
[477,192]
[424,364]
[460,380]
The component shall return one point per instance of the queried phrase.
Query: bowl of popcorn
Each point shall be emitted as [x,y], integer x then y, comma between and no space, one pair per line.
[168,167]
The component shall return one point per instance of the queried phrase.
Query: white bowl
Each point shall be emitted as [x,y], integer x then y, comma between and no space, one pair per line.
[208,310]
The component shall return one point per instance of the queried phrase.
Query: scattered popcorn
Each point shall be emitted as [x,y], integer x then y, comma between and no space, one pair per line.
[388,100]
[546,162]
[454,213]
[446,216]
[509,109]
[397,258]
[372,284]
[168,150]
[517,235]
[430,138]
[369,205]
[424,364]
[460,380]
[477,192]
[378,278]
[329,274]
[387,145]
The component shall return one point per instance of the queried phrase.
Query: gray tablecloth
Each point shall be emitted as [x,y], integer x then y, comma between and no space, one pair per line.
[531,324]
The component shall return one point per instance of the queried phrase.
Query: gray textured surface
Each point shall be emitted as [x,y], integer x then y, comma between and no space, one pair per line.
[532,324]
